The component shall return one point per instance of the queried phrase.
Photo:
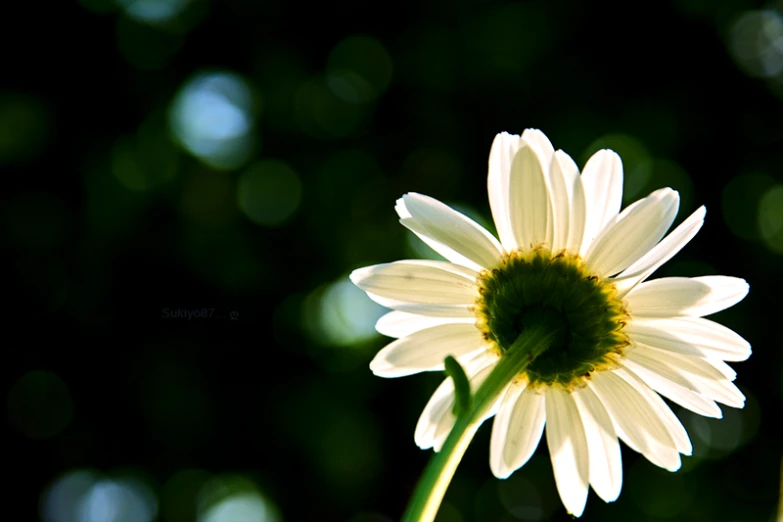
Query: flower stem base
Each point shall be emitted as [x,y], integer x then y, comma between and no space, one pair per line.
[433,484]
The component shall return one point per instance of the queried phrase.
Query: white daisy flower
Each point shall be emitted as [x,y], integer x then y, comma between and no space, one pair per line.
[569,257]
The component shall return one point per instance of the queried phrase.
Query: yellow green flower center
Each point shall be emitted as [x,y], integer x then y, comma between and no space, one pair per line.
[535,286]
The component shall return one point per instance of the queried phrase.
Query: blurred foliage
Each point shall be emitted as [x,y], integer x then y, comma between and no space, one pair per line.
[188,184]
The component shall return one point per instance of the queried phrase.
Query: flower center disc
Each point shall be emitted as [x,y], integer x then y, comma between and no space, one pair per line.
[536,287]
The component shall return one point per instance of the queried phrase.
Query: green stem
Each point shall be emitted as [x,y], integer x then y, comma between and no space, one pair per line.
[780,499]
[436,478]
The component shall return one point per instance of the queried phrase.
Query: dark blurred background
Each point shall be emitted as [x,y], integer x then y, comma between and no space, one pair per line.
[188,183]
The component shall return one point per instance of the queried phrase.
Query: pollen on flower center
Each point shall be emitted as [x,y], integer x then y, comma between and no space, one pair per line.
[536,286]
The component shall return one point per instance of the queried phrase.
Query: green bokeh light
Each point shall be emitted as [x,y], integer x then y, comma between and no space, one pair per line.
[740,201]
[658,493]
[24,127]
[234,498]
[269,192]
[770,218]
[721,437]
[180,494]
[359,69]
[520,497]
[146,160]
[209,199]
[324,115]
[39,405]
[755,42]
[111,209]
[349,453]
[340,314]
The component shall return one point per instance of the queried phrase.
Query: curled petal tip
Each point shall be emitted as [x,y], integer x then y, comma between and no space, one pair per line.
[401,209]
[668,190]
[384,370]
[357,275]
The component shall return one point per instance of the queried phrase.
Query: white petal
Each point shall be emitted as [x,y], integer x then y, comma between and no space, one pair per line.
[696,296]
[568,449]
[538,141]
[425,350]
[602,180]
[500,432]
[453,231]
[665,414]
[639,355]
[688,365]
[606,468]
[635,420]
[706,378]
[668,383]
[724,369]
[530,208]
[723,391]
[635,232]
[437,411]
[517,431]
[444,251]
[660,253]
[402,210]
[437,415]
[690,336]
[431,310]
[568,203]
[504,148]
[438,407]
[561,203]
[423,282]
[703,375]
[400,324]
